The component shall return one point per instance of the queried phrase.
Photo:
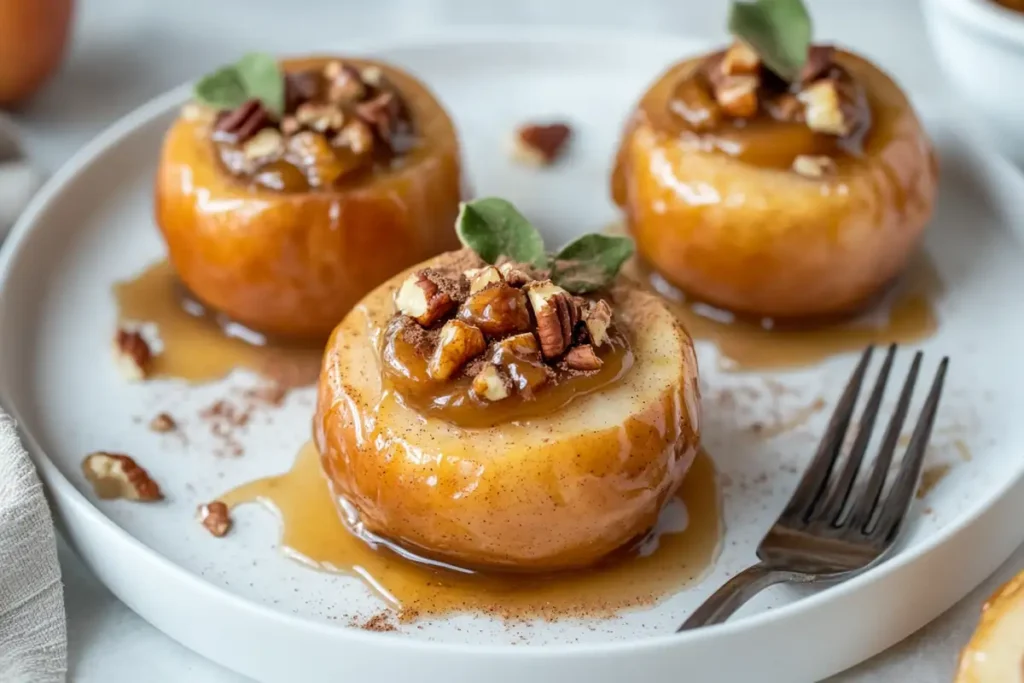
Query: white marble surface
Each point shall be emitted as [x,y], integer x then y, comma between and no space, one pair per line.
[126,51]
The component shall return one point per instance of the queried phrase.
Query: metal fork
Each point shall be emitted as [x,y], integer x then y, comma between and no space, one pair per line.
[819,536]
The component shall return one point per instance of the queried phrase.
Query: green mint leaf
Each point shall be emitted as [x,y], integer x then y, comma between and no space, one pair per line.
[590,262]
[262,78]
[493,228]
[222,89]
[778,30]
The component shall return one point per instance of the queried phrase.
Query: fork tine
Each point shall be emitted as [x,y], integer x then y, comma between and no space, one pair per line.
[894,511]
[837,499]
[865,506]
[813,482]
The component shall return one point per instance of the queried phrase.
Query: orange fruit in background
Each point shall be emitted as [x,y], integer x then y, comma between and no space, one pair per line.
[33,35]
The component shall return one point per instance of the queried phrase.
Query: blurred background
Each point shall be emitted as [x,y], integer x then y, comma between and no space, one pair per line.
[123,52]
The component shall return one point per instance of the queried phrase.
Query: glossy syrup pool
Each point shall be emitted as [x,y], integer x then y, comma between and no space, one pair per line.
[904,314]
[679,551]
[199,345]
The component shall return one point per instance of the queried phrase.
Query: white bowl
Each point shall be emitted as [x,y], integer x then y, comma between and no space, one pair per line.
[980,45]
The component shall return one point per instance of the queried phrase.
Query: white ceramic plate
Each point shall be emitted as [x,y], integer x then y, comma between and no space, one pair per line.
[240,603]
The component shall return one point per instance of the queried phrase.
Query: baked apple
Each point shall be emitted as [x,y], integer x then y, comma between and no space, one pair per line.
[286,192]
[494,408]
[775,187]
[996,651]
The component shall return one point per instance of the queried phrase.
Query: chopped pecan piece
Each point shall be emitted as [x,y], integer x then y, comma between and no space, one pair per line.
[383,113]
[490,385]
[115,475]
[498,310]
[458,344]
[480,278]
[516,277]
[133,355]
[556,314]
[422,300]
[824,108]
[163,422]
[583,358]
[693,102]
[737,96]
[243,122]
[265,145]
[740,59]
[216,517]
[344,83]
[541,144]
[522,346]
[322,118]
[811,166]
[598,318]
[355,135]
[785,107]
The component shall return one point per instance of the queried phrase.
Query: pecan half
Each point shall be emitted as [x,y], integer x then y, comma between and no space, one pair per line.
[480,278]
[243,122]
[216,517]
[422,300]
[541,144]
[133,355]
[115,475]
[556,314]
[583,358]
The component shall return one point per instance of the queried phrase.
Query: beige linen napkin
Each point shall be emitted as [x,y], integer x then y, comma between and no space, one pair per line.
[33,641]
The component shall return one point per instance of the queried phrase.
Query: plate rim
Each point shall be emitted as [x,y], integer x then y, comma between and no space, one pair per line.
[161,105]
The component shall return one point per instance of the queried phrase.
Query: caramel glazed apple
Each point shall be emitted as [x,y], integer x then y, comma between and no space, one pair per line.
[776,178]
[279,183]
[499,408]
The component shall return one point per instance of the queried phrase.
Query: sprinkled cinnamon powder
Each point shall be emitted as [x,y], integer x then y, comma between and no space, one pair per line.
[381,622]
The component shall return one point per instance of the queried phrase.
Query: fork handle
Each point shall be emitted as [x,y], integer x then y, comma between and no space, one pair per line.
[734,593]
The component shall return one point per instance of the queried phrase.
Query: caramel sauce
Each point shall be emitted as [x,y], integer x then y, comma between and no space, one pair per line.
[766,140]
[903,315]
[678,552]
[200,345]
[539,389]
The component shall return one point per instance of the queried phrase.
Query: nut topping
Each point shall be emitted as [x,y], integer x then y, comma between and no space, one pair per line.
[216,517]
[811,166]
[490,385]
[583,358]
[458,344]
[598,318]
[300,87]
[824,108]
[541,145]
[265,145]
[322,118]
[114,475]
[819,59]
[556,314]
[382,113]
[133,355]
[497,310]
[515,277]
[163,422]
[740,59]
[479,278]
[737,95]
[345,83]
[422,300]
[243,122]
[356,136]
